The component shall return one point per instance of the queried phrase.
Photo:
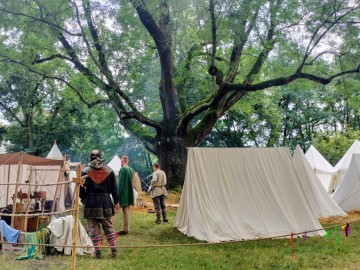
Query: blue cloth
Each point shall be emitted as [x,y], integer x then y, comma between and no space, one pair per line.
[9,233]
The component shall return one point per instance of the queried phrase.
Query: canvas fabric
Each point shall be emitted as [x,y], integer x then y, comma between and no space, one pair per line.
[322,168]
[242,193]
[44,171]
[347,195]
[343,164]
[317,197]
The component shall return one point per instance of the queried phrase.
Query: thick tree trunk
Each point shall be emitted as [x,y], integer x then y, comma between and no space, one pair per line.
[29,130]
[172,156]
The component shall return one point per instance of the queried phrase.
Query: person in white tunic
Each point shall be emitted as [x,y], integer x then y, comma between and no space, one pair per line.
[158,193]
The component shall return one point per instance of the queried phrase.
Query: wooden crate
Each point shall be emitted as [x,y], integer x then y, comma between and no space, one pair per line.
[32,224]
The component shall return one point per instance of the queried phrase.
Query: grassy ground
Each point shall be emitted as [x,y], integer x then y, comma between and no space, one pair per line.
[315,253]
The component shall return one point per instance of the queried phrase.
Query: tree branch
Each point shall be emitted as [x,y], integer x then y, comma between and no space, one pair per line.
[268,44]
[161,35]
[87,44]
[238,46]
[9,111]
[42,20]
[95,37]
[213,31]
[312,44]
[286,80]
[47,59]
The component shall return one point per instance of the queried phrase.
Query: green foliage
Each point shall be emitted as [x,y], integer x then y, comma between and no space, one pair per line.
[335,146]
[176,70]
[254,121]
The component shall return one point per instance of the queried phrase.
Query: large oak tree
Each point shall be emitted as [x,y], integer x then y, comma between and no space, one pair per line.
[170,68]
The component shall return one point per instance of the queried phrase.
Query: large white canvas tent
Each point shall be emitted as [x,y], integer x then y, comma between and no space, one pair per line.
[347,195]
[317,197]
[115,164]
[237,193]
[343,164]
[322,168]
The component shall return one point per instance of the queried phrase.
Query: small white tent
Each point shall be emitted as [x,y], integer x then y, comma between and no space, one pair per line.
[242,193]
[322,168]
[318,199]
[343,164]
[347,195]
[55,152]
[52,173]
[115,164]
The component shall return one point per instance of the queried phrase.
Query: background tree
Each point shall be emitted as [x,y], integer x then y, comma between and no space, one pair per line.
[197,59]
[335,146]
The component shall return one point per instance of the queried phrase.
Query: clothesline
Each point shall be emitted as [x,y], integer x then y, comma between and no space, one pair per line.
[191,244]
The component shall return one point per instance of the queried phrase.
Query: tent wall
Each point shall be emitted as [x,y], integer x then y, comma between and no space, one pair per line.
[9,166]
[317,197]
[347,195]
[115,164]
[344,163]
[233,194]
[322,168]
[6,192]
[39,176]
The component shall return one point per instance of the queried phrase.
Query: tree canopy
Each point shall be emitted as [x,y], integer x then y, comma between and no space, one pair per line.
[171,69]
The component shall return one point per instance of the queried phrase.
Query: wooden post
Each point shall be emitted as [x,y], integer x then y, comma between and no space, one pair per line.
[16,188]
[28,199]
[7,187]
[56,200]
[78,182]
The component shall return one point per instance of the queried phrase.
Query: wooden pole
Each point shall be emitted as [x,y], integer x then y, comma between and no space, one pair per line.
[7,188]
[16,188]
[56,201]
[28,199]
[78,182]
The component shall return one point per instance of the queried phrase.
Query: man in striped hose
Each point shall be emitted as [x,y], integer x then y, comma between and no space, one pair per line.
[98,205]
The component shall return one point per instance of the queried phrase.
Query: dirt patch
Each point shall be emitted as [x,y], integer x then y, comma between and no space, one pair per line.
[172,200]
[351,217]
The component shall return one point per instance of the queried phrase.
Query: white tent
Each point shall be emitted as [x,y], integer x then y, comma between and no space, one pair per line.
[317,197]
[115,164]
[343,164]
[55,152]
[323,169]
[53,173]
[19,173]
[347,195]
[242,193]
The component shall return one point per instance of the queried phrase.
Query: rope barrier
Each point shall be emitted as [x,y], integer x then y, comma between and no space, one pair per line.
[49,169]
[37,185]
[37,214]
[187,244]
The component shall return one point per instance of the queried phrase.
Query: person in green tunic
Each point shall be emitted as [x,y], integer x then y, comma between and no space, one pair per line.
[126,193]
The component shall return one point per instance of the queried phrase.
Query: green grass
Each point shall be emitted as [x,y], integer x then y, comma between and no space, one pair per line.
[315,253]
